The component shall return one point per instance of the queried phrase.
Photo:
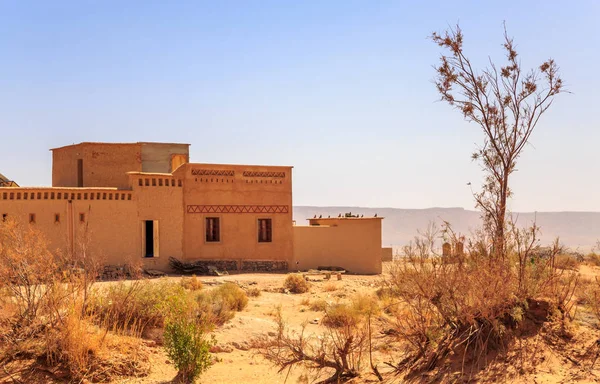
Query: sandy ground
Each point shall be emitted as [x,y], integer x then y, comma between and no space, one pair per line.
[554,362]
[242,365]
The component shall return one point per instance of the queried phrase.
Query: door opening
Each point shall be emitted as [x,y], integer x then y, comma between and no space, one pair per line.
[149,232]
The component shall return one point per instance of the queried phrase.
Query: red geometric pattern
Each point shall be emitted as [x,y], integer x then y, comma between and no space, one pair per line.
[263,174]
[212,172]
[238,209]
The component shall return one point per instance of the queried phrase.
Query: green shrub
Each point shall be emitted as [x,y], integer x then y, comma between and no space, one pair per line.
[295,283]
[187,346]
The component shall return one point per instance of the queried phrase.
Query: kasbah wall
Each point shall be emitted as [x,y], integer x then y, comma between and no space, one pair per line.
[104,194]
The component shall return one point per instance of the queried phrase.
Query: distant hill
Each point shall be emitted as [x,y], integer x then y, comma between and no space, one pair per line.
[577,230]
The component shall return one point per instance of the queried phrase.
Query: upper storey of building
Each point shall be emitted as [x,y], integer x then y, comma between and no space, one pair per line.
[107,164]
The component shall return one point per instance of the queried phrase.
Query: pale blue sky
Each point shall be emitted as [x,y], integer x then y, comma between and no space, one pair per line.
[341,90]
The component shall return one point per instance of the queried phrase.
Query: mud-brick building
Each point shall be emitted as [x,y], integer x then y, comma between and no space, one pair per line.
[145,202]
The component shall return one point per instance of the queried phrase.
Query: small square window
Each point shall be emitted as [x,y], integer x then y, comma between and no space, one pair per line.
[32,218]
[213,230]
[82,217]
[57,218]
[265,231]
[4,216]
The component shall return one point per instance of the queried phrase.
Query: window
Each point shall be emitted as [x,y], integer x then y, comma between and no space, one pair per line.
[57,218]
[265,231]
[82,217]
[32,218]
[80,173]
[4,216]
[213,230]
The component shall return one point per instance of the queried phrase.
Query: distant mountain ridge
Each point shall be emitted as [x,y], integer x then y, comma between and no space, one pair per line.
[577,230]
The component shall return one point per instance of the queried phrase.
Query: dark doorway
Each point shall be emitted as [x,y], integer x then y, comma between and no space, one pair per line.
[80,173]
[149,229]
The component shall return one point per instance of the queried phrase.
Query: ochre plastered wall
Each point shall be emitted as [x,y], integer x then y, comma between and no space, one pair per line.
[161,200]
[104,165]
[353,244]
[387,254]
[107,228]
[246,188]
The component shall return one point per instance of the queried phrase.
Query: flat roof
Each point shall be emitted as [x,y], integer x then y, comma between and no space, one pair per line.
[150,173]
[346,218]
[105,143]
[64,188]
[240,165]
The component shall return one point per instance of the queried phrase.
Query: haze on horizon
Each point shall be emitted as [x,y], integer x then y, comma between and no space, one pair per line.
[342,91]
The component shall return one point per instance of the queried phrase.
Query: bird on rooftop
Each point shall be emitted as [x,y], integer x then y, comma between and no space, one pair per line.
[361,215]
[375,215]
[340,215]
[315,217]
[320,216]
[328,216]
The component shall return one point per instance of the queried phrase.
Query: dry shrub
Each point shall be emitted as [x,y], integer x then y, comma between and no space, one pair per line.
[318,305]
[44,315]
[219,305]
[593,259]
[295,283]
[589,297]
[191,283]
[305,301]
[568,262]
[335,356]
[330,287]
[473,304]
[253,292]
[132,306]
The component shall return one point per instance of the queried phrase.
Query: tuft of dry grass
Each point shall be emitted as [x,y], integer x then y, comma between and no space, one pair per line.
[253,292]
[219,305]
[318,305]
[566,262]
[191,283]
[330,287]
[295,283]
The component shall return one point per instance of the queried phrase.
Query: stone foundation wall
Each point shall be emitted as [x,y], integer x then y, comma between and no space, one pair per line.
[264,266]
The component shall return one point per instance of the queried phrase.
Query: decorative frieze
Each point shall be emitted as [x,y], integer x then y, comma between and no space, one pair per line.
[263,174]
[238,209]
[212,172]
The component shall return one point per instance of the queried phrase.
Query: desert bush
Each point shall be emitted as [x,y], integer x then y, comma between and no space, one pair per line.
[474,303]
[188,346]
[568,262]
[350,314]
[253,292]
[219,305]
[132,306]
[593,259]
[45,315]
[336,356]
[295,283]
[191,283]
[318,305]
[330,287]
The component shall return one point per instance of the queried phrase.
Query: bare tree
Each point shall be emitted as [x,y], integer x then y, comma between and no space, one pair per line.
[507,103]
